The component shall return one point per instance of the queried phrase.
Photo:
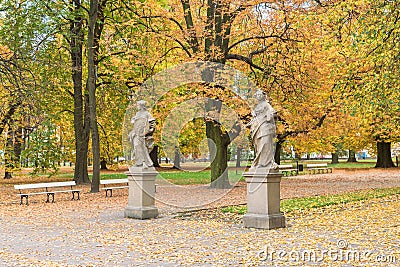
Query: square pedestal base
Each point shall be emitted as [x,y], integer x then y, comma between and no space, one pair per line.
[263,221]
[141,213]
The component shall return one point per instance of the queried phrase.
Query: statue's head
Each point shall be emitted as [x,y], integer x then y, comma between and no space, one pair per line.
[260,95]
[141,104]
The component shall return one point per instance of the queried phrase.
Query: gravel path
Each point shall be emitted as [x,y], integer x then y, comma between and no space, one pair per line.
[93,232]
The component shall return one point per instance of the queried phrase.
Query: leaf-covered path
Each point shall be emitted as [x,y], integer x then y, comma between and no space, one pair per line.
[93,232]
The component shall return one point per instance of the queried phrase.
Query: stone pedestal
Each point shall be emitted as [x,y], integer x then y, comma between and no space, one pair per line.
[141,193]
[263,200]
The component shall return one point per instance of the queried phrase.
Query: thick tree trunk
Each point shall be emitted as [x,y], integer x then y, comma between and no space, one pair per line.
[218,147]
[384,156]
[352,156]
[7,175]
[218,142]
[219,167]
[81,135]
[154,156]
[335,158]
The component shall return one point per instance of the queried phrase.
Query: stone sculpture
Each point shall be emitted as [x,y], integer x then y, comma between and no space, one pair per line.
[141,136]
[263,131]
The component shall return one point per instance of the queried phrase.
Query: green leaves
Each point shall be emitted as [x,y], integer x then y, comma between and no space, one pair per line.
[43,151]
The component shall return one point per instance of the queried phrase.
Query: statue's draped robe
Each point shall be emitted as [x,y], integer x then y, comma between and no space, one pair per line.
[263,132]
[143,125]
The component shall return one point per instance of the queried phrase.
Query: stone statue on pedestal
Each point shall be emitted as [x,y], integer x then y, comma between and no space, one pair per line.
[142,176]
[263,178]
[263,132]
[141,136]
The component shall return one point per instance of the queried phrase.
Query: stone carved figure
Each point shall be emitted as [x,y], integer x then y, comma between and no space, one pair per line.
[263,131]
[141,136]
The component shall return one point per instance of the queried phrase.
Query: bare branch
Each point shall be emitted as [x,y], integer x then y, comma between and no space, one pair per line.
[247,60]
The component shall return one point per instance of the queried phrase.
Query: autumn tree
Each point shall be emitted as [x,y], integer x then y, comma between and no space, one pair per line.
[17,79]
[221,32]
[367,36]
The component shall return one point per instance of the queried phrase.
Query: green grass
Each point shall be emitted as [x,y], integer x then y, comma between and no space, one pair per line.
[295,204]
[187,178]
[178,177]
[354,165]
[108,176]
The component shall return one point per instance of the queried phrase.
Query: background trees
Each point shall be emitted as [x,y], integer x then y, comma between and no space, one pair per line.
[329,68]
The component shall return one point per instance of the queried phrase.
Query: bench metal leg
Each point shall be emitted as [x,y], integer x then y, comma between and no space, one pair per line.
[48,197]
[73,195]
[26,199]
[108,189]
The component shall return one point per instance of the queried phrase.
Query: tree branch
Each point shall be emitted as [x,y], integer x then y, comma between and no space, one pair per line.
[247,60]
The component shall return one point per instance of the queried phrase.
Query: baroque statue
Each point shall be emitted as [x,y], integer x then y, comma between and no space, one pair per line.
[141,137]
[263,132]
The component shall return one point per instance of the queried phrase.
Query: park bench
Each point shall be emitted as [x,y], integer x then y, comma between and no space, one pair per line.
[319,168]
[26,190]
[288,169]
[109,185]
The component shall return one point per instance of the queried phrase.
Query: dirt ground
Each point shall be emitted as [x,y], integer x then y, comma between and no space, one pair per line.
[93,231]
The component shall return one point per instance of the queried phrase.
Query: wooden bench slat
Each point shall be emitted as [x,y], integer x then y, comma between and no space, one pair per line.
[114,187]
[114,181]
[43,185]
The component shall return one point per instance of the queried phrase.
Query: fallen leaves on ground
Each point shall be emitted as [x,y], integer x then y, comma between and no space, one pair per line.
[93,231]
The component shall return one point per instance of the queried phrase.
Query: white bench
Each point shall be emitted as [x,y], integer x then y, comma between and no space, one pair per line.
[49,189]
[118,184]
[319,168]
[109,185]
[288,170]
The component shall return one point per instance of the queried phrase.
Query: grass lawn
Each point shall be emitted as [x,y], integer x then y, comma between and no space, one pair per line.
[360,164]
[179,177]
[298,204]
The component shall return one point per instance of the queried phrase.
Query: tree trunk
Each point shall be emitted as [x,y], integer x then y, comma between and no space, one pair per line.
[218,147]
[103,164]
[81,135]
[92,45]
[219,167]
[384,155]
[238,156]
[352,156]
[218,142]
[278,149]
[9,155]
[335,158]
[154,156]
[18,141]
[7,175]
[177,159]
